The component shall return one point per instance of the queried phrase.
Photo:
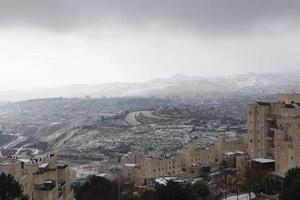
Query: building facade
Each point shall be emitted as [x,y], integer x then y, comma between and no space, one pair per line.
[162,165]
[41,178]
[213,154]
[274,131]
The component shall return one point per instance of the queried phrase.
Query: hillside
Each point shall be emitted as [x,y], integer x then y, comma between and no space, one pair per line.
[178,86]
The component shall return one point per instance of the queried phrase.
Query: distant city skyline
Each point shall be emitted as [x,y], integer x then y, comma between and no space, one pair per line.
[54,43]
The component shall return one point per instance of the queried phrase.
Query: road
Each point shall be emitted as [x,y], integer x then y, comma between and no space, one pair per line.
[17,141]
[131,117]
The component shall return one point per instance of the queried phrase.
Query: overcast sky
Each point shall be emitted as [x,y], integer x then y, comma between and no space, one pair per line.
[50,43]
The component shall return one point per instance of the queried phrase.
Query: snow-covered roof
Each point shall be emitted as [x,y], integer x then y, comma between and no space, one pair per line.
[101,175]
[49,182]
[44,165]
[263,160]
[244,196]
[130,165]
[229,153]
[214,173]
[24,160]
[161,181]
[164,180]
[277,174]
[240,152]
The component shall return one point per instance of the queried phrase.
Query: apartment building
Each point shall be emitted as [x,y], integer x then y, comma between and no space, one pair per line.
[160,165]
[42,178]
[212,154]
[274,131]
[133,158]
[157,164]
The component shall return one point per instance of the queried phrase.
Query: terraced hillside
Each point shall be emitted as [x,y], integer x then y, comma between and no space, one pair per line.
[101,128]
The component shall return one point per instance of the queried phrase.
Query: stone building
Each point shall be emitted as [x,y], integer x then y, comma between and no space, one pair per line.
[274,131]
[159,165]
[42,178]
[213,154]
[133,158]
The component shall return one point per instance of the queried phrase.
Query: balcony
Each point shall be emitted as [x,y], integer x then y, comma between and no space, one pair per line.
[288,138]
[270,138]
[271,117]
[46,186]
[61,166]
[39,172]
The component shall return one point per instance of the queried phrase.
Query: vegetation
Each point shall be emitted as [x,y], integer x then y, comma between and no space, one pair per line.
[10,189]
[199,191]
[99,188]
[291,185]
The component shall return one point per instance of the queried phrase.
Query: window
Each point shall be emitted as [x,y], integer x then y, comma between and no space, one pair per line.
[251,140]
[257,141]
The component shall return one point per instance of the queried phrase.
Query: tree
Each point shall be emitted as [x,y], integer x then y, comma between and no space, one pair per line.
[149,195]
[291,185]
[174,191]
[177,191]
[10,189]
[199,191]
[252,178]
[97,188]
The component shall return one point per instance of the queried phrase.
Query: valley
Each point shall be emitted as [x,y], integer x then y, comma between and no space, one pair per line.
[89,129]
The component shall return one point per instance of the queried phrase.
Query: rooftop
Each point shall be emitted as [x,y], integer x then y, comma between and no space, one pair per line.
[263,160]
[229,153]
[165,180]
[261,103]
[131,165]
[44,165]
[244,196]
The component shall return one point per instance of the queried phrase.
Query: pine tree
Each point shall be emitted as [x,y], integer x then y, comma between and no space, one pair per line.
[10,189]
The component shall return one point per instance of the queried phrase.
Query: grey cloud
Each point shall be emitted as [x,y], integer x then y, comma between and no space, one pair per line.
[198,15]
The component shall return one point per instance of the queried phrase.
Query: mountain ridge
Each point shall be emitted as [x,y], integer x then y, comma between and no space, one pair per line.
[178,85]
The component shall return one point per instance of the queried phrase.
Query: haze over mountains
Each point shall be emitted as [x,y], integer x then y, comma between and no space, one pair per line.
[178,86]
[164,113]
